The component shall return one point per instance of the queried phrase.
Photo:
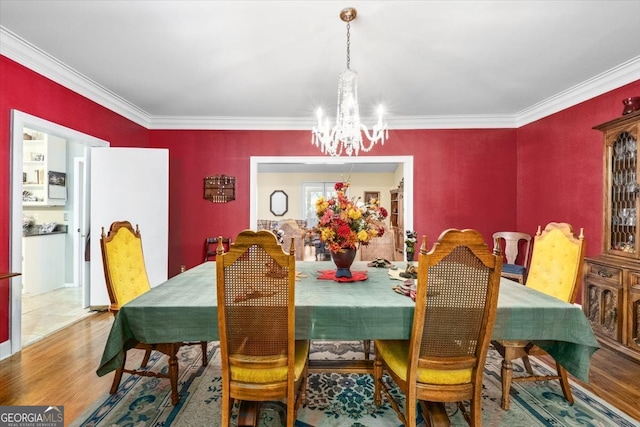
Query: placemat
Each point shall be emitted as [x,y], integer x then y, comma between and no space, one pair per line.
[356,276]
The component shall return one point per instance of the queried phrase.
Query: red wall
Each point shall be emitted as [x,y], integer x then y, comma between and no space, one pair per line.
[462,179]
[29,92]
[475,178]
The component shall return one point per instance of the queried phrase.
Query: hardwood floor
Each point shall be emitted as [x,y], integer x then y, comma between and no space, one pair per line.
[60,370]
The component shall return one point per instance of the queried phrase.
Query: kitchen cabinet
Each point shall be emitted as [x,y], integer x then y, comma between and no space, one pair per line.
[45,255]
[43,170]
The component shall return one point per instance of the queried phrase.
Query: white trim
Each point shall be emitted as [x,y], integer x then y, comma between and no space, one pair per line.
[297,123]
[5,349]
[21,51]
[24,53]
[612,79]
[19,120]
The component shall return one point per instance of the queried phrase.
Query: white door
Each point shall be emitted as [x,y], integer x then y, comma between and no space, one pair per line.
[129,184]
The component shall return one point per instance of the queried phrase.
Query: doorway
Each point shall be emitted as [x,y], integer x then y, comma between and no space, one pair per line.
[81,143]
[266,163]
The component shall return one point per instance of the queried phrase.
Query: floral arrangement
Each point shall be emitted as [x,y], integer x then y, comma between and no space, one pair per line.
[348,223]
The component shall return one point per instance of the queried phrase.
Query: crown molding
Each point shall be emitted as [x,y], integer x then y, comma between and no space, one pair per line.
[230,123]
[297,123]
[466,121]
[28,55]
[614,78]
[21,51]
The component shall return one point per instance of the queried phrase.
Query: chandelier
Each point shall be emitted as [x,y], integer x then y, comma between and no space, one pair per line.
[347,135]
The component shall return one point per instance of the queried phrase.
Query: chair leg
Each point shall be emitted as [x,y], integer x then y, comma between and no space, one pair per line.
[564,383]
[173,378]
[203,345]
[248,413]
[435,414]
[527,364]
[476,410]
[226,404]
[367,348]
[410,411]
[291,413]
[506,373]
[145,359]
[118,375]
[377,377]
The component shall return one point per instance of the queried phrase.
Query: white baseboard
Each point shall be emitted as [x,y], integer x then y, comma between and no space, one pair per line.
[5,349]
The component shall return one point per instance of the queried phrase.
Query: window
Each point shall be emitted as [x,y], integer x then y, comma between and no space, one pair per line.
[311,191]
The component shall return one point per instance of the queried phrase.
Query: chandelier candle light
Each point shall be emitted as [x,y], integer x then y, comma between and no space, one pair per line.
[346,135]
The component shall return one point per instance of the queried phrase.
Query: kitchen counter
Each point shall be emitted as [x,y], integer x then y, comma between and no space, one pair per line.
[37,231]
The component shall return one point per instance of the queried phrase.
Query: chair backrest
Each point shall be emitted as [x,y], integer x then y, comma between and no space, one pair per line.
[380,247]
[123,260]
[256,302]
[456,301]
[556,261]
[292,233]
[211,247]
[512,241]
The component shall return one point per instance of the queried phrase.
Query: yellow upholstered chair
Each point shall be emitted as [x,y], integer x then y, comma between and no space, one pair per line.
[260,358]
[126,278]
[443,361]
[556,265]
[512,241]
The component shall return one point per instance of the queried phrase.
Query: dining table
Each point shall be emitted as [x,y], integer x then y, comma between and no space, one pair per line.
[184,308]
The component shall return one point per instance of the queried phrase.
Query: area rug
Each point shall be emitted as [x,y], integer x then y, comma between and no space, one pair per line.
[336,399]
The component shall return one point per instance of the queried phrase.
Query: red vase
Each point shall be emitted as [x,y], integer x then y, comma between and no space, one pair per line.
[343,261]
[631,104]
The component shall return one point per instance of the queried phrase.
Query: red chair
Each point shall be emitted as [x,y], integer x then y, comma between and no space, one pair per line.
[211,245]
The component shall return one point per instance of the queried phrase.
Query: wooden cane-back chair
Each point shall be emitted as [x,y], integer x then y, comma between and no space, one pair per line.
[443,361]
[260,358]
[556,265]
[126,278]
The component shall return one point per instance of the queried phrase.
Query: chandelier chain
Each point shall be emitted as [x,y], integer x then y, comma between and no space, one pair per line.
[348,45]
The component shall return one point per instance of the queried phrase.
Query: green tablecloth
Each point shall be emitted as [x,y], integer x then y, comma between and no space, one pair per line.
[184,309]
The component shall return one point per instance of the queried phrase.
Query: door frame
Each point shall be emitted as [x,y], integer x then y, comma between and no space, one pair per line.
[80,228]
[406,161]
[20,120]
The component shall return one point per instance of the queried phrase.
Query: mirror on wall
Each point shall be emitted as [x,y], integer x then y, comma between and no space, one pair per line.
[279,203]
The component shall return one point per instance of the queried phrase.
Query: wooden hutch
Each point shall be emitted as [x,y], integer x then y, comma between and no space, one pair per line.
[611,295]
[396,218]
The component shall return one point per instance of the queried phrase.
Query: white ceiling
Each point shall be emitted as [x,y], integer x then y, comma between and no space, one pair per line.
[270,64]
